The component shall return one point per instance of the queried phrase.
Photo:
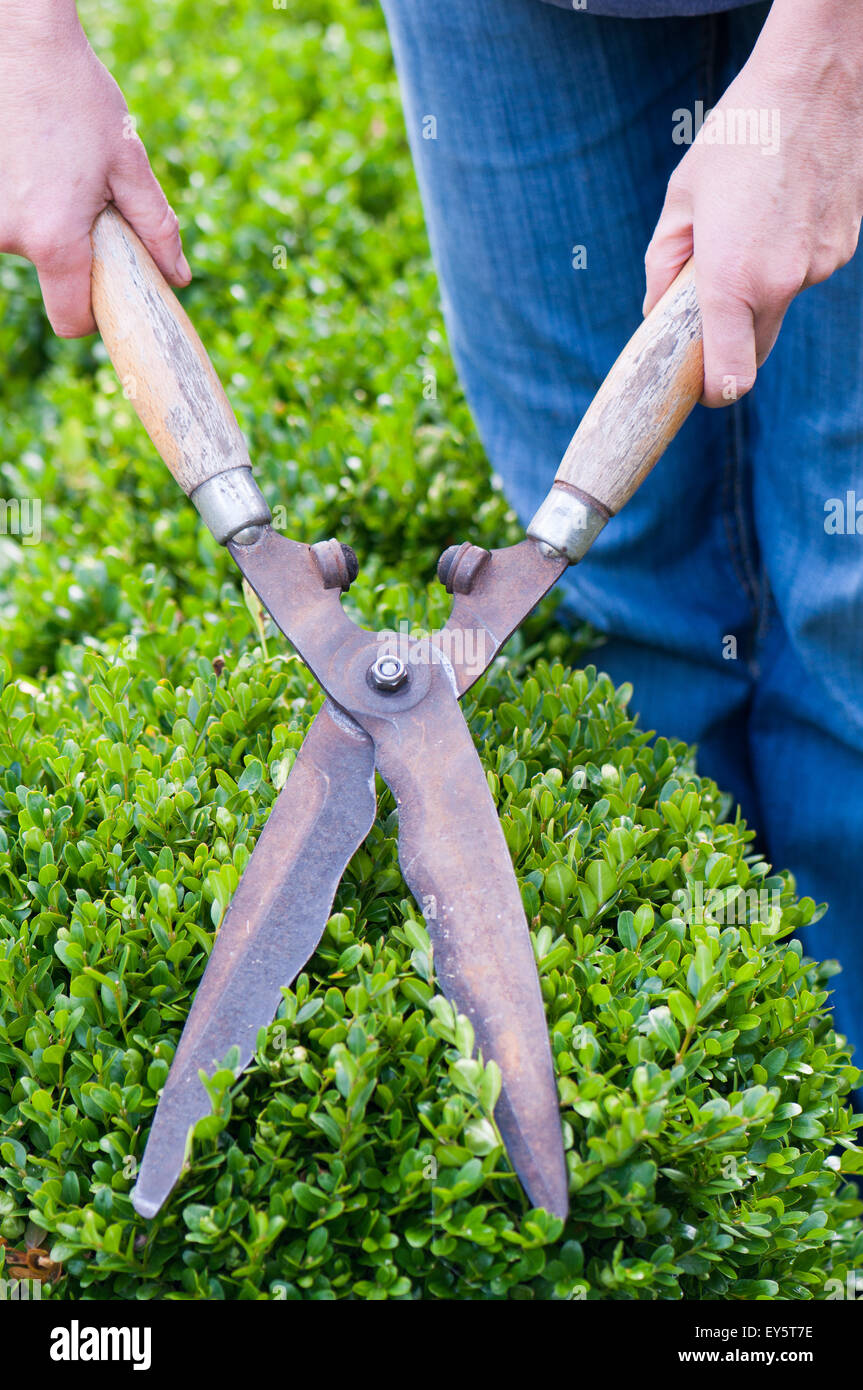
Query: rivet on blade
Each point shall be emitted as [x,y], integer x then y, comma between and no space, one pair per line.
[459,566]
[337,563]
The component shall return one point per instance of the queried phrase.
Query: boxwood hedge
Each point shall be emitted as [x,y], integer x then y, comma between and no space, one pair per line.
[149,715]
[702,1085]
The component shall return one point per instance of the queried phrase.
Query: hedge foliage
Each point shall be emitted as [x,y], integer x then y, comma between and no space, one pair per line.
[149,715]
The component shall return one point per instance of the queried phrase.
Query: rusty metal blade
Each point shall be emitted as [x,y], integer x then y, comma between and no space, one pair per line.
[456,863]
[501,596]
[289,584]
[273,925]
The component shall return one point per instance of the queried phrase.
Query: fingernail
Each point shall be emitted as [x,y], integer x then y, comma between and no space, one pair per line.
[181,269]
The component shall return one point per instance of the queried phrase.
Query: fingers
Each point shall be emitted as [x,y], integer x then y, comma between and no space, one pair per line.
[670,246]
[728,329]
[742,306]
[57,242]
[57,239]
[64,278]
[742,309]
[739,324]
[136,192]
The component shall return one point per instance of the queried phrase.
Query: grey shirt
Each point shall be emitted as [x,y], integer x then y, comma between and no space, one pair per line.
[649,9]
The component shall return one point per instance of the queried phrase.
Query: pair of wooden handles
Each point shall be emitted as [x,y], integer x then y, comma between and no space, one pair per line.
[170,380]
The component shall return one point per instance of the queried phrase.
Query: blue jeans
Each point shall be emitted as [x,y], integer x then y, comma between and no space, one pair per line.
[536,131]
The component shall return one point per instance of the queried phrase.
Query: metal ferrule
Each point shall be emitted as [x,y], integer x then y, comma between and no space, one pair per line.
[567,524]
[230,503]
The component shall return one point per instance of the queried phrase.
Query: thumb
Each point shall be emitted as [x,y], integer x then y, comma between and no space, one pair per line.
[136,193]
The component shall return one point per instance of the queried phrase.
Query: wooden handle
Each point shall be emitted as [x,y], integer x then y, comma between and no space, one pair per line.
[633,417]
[160,359]
[642,403]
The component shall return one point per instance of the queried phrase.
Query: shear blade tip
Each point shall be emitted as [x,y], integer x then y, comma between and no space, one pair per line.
[145,1206]
[552,1197]
[560,1209]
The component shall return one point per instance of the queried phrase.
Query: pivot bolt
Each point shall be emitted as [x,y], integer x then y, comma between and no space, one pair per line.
[388,673]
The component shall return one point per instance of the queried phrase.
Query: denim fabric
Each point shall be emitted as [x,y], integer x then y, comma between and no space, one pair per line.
[553,132]
[648,9]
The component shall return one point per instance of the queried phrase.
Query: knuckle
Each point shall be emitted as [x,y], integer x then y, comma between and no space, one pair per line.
[51,240]
[678,184]
[45,246]
[783,285]
[132,151]
[850,243]
[165,224]
[727,300]
[827,259]
[170,222]
[821,268]
[70,321]
[846,253]
[778,283]
[715,297]
[652,256]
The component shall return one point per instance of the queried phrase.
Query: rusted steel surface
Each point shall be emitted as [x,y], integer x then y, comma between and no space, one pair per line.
[456,864]
[499,599]
[274,923]
[451,846]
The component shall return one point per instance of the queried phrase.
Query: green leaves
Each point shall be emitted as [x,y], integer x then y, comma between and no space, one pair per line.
[661,1025]
[701,1084]
[560,882]
[149,712]
[682,1007]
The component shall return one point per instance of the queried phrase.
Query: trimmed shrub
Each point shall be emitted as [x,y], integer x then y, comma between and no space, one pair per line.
[703,1088]
[153,715]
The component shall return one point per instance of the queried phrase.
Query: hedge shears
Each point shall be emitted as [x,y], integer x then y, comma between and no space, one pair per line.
[391,706]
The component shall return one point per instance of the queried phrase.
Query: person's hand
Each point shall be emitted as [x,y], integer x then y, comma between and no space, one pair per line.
[769,217]
[67,148]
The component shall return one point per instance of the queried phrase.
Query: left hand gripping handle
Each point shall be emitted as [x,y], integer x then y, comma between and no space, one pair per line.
[169,379]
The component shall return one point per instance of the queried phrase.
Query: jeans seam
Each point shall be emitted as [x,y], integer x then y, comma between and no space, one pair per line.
[729,508]
[750,561]
[764,617]
[747,570]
